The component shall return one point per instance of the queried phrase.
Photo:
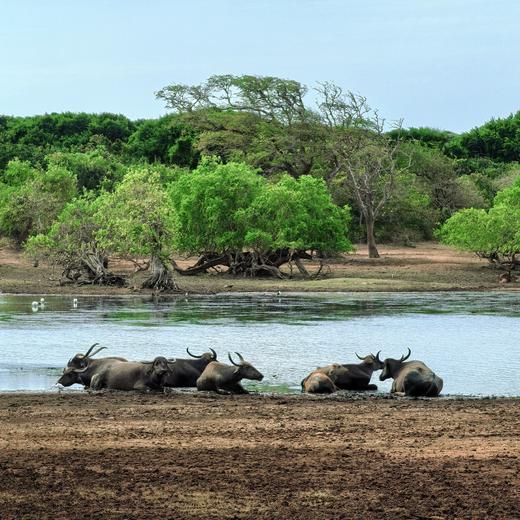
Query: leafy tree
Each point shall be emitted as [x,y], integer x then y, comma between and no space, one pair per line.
[167,139]
[492,234]
[72,243]
[137,220]
[207,202]
[33,199]
[94,169]
[430,137]
[33,138]
[292,217]
[262,117]
[497,139]
[231,216]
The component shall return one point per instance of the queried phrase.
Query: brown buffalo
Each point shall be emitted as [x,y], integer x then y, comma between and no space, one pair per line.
[352,376]
[141,376]
[82,367]
[222,378]
[412,378]
[318,383]
[185,372]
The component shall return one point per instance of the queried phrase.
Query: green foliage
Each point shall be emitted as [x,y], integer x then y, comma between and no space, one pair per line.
[137,219]
[33,200]
[167,140]
[493,234]
[207,202]
[498,139]
[72,236]
[295,214]
[94,169]
[230,207]
[32,138]
[430,137]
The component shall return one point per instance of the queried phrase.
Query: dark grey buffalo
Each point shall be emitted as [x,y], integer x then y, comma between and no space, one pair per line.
[142,376]
[222,378]
[82,367]
[412,378]
[318,383]
[185,372]
[353,376]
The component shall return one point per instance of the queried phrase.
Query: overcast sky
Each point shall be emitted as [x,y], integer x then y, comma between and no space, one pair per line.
[450,64]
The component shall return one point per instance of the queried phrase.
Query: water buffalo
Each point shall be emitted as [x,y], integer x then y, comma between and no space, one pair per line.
[143,376]
[82,367]
[185,372]
[318,383]
[412,378]
[353,376]
[222,378]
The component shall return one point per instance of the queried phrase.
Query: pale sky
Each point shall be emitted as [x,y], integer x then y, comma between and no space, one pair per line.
[450,64]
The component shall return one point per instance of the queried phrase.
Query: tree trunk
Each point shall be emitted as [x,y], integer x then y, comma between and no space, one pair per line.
[92,268]
[161,277]
[371,240]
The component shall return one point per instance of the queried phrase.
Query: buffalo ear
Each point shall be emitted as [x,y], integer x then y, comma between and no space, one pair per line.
[237,370]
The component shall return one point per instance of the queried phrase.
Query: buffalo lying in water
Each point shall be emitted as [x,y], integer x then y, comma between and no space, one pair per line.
[82,367]
[185,372]
[222,378]
[351,376]
[141,376]
[412,378]
[318,383]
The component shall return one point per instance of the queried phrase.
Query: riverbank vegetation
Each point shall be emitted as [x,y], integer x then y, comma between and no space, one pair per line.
[247,175]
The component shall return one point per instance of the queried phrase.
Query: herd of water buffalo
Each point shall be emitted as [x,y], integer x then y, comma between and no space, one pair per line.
[412,378]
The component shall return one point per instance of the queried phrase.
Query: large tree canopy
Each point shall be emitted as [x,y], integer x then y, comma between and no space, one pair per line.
[138,220]
[492,234]
[231,216]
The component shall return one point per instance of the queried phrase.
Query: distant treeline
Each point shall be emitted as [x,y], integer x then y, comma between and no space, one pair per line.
[399,185]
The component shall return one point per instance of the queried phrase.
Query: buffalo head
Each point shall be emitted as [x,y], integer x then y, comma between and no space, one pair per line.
[81,360]
[71,376]
[370,359]
[245,369]
[392,366]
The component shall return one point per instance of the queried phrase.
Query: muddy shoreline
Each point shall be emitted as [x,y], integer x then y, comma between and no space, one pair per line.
[204,456]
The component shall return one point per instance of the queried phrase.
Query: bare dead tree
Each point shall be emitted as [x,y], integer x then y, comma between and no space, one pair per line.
[363,156]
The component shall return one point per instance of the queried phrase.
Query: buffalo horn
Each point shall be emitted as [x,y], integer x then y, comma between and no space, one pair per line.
[377,356]
[358,356]
[214,353]
[98,350]
[404,358]
[241,358]
[90,349]
[192,355]
[231,359]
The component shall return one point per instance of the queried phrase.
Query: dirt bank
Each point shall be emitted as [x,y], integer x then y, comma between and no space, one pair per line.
[427,267]
[197,457]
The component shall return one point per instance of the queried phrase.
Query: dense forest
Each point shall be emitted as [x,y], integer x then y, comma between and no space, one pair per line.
[246,173]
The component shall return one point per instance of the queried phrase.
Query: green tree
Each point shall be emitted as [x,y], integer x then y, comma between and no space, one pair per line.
[231,216]
[291,217]
[32,199]
[94,169]
[137,220]
[492,234]
[72,243]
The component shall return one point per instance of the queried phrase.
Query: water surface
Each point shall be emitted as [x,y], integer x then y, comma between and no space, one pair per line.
[472,340]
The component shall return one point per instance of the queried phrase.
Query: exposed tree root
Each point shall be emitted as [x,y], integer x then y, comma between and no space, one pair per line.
[91,269]
[161,277]
[252,263]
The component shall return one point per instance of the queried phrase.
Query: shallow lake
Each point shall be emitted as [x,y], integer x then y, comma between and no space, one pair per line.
[472,340]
